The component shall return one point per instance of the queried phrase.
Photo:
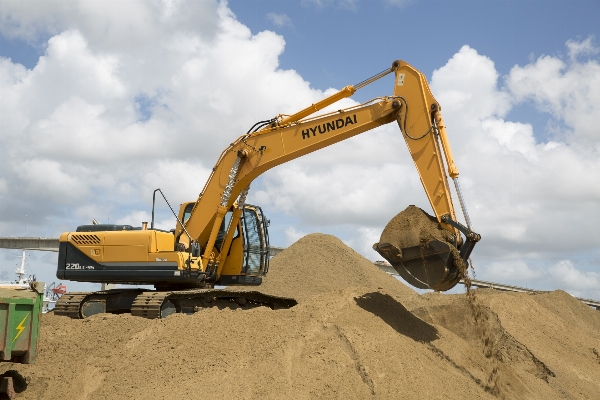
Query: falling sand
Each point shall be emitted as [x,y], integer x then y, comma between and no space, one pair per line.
[414,227]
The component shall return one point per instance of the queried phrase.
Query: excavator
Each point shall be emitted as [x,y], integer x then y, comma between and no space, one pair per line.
[220,240]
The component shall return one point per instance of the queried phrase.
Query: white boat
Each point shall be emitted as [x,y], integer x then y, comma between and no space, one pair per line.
[52,292]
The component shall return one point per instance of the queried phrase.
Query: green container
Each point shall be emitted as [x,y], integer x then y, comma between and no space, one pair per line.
[20,311]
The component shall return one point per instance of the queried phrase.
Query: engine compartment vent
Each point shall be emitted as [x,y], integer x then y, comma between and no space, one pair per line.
[85,239]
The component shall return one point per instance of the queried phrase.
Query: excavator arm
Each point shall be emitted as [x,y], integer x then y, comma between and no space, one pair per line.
[285,138]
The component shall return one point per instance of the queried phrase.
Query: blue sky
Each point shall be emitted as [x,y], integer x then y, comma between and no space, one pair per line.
[332,44]
[361,38]
[336,43]
[102,104]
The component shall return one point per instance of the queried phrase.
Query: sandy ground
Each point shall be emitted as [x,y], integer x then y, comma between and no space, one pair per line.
[356,333]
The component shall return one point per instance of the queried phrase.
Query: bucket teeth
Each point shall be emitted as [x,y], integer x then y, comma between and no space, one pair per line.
[388,251]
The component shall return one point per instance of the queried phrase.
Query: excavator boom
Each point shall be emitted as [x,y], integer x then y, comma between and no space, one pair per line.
[419,118]
[412,106]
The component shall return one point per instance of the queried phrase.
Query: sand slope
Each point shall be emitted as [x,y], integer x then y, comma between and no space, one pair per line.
[319,263]
[357,333]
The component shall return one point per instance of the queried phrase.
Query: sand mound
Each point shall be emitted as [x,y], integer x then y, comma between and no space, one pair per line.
[347,338]
[330,346]
[546,343]
[319,263]
[412,227]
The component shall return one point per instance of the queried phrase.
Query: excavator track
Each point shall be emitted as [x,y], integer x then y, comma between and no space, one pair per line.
[69,304]
[149,305]
[162,304]
[159,304]
[85,304]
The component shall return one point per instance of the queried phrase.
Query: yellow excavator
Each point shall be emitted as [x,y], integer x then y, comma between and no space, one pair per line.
[220,240]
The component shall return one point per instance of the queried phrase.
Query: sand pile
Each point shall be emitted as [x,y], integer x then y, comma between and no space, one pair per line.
[319,263]
[546,343]
[414,227]
[352,341]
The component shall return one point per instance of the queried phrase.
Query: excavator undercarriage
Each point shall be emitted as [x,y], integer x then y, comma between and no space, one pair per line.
[160,304]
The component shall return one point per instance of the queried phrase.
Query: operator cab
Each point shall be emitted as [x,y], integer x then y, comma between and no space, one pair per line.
[256,241]
[249,248]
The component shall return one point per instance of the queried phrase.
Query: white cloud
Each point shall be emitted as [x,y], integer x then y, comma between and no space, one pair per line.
[340,193]
[135,218]
[279,20]
[106,27]
[468,82]
[3,186]
[363,242]
[109,115]
[49,180]
[530,200]
[562,275]
[87,212]
[584,47]
[568,90]
[514,137]
[566,276]
[292,234]
[517,181]
[72,130]
[511,271]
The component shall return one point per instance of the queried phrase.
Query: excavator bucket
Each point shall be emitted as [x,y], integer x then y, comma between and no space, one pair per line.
[429,266]
[423,252]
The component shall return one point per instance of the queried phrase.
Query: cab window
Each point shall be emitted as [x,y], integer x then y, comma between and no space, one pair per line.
[187,212]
